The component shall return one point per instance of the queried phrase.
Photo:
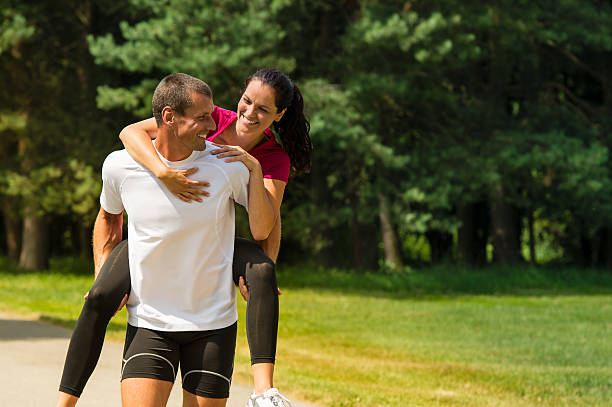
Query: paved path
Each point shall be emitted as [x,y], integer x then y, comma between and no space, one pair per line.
[32,356]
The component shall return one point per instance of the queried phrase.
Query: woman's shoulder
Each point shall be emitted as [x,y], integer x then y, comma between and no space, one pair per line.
[274,160]
[270,146]
[222,118]
[221,113]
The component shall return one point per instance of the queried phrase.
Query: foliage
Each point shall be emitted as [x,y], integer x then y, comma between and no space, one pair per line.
[221,42]
[53,137]
[432,107]
[72,188]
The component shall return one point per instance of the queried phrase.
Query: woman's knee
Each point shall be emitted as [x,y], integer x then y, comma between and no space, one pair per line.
[261,275]
[102,300]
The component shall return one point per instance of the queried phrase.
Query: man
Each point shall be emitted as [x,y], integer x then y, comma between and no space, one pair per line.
[182,307]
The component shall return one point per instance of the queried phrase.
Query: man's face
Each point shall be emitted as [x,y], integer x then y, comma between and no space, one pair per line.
[193,126]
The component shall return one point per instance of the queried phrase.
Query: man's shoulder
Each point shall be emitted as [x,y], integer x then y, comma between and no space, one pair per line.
[206,158]
[118,157]
[119,163]
[232,169]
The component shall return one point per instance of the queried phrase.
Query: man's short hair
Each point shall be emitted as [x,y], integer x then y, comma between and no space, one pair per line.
[175,91]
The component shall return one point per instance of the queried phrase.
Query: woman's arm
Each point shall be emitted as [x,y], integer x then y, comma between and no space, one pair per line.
[137,141]
[271,245]
[265,196]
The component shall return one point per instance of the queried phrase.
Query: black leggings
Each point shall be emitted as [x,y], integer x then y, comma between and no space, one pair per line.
[113,283]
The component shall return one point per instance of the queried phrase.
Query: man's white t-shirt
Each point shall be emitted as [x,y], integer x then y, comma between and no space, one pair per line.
[180,253]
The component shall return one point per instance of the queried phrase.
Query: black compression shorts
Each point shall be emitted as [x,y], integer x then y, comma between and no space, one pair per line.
[206,358]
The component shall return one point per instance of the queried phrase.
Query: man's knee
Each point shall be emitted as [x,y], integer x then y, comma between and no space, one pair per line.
[191,400]
[145,392]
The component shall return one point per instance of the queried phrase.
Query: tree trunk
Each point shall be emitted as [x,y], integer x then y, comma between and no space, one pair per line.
[466,234]
[440,245]
[12,228]
[586,250]
[35,243]
[604,248]
[389,238]
[473,233]
[505,229]
[607,249]
[532,242]
[364,245]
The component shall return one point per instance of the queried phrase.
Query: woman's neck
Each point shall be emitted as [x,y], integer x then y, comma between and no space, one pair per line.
[231,137]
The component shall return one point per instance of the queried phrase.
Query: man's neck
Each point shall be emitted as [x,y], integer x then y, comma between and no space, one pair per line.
[169,148]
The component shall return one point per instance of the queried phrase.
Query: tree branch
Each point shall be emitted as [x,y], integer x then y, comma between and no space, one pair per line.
[581,107]
[576,61]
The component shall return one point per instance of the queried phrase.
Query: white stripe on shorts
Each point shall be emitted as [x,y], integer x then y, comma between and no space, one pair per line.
[149,354]
[209,372]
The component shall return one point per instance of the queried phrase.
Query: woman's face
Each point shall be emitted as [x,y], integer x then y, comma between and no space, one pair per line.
[257,109]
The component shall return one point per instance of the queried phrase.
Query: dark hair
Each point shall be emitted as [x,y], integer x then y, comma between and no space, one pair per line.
[293,128]
[175,91]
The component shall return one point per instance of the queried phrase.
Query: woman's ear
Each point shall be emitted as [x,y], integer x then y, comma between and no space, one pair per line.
[280,115]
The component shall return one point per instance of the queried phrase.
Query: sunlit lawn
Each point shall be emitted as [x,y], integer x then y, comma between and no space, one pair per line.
[369,349]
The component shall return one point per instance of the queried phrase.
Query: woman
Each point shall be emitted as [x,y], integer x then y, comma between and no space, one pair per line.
[269,99]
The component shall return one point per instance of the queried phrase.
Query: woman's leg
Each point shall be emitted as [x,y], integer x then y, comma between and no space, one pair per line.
[257,269]
[105,296]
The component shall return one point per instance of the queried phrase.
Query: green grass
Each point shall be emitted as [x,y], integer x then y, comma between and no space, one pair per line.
[528,337]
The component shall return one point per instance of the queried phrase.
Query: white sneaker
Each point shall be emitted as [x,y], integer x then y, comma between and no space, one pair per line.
[271,398]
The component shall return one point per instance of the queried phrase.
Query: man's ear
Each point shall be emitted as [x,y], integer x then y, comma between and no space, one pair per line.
[167,115]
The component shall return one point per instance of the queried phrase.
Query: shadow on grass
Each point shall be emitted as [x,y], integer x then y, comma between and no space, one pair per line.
[70,323]
[452,281]
[62,265]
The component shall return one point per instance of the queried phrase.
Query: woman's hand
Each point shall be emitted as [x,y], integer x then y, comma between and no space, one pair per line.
[244,291]
[236,153]
[184,188]
[123,301]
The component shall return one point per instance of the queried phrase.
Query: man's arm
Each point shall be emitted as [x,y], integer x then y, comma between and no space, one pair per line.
[106,235]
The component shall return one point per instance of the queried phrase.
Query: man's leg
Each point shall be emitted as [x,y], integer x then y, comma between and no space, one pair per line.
[150,362]
[207,364]
[191,400]
[145,392]
[66,400]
